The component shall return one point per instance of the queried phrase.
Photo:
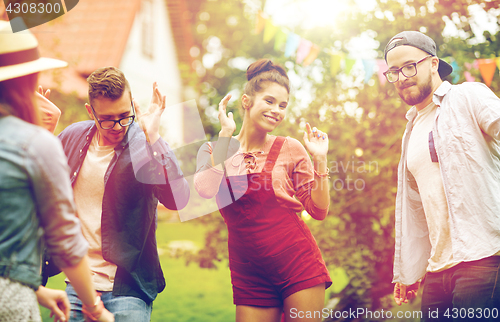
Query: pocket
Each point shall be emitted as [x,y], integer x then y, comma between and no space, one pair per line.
[240,271]
[287,262]
[479,277]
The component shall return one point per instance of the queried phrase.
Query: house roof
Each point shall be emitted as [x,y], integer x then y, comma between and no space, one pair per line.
[179,19]
[94,34]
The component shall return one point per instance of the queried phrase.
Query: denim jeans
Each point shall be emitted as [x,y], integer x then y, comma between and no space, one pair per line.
[125,308]
[469,291]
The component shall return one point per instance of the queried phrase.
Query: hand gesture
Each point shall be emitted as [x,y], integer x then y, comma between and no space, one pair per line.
[149,121]
[97,313]
[227,124]
[56,301]
[316,142]
[106,316]
[49,113]
[403,293]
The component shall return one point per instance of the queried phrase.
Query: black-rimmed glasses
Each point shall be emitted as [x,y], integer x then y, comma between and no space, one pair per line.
[408,70]
[109,124]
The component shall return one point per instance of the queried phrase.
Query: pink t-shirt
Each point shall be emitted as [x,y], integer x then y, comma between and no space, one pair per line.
[292,174]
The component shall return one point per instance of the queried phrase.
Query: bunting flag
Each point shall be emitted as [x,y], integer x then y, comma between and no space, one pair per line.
[292,42]
[269,31]
[313,53]
[260,23]
[349,63]
[303,50]
[306,52]
[469,77]
[279,40]
[369,65]
[382,67]
[487,68]
[335,63]
[456,72]
[475,64]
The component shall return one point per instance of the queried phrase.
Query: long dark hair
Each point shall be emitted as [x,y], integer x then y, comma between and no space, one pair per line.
[17,98]
[264,70]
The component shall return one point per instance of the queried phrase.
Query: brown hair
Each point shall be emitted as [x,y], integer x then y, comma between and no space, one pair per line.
[108,82]
[17,98]
[264,70]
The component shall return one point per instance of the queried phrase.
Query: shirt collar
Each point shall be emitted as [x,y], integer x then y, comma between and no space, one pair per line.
[440,92]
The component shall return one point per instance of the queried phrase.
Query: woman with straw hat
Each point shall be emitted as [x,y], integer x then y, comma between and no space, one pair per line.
[36,201]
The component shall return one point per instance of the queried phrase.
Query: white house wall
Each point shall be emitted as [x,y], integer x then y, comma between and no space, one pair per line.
[141,71]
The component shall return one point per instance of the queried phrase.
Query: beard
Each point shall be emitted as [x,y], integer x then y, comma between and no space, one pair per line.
[423,92]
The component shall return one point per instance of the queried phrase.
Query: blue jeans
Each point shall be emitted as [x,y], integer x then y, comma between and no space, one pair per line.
[469,291]
[125,308]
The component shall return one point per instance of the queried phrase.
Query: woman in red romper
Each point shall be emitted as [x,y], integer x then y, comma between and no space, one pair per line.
[274,260]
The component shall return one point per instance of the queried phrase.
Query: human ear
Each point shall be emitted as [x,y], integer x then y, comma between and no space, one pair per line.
[89,112]
[435,64]
[246,101]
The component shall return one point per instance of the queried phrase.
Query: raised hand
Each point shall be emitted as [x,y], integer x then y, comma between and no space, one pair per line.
[315,141]
[49,113]
[227,124]
[149,121]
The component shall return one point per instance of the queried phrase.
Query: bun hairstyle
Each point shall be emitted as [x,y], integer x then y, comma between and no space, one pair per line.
[264,70]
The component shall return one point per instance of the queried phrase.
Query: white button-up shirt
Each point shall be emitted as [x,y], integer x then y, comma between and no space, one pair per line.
[466,133]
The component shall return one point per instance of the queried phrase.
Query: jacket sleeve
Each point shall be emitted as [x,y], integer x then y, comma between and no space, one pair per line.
[157,165]
[54,196]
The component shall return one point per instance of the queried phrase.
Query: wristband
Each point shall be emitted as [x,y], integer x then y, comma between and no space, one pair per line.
[321,175]
[96,309]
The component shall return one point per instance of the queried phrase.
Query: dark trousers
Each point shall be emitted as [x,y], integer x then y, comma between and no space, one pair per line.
[469,291]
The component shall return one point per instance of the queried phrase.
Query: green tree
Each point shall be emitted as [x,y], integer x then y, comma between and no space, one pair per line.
[364,122]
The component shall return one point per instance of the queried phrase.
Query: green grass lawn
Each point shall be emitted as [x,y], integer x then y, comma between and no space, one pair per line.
[192,293]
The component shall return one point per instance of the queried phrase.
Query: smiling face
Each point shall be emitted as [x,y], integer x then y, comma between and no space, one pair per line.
[416,90]
[268,108]
[108,109]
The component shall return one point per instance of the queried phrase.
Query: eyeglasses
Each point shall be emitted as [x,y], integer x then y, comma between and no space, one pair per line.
[408,70]
[109,124]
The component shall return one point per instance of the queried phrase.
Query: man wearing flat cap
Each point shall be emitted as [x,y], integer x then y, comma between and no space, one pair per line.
[448,199]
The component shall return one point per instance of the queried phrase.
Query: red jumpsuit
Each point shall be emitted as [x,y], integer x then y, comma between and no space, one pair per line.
[272,253]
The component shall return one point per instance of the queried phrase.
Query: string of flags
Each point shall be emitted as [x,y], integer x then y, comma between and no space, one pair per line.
[306,52]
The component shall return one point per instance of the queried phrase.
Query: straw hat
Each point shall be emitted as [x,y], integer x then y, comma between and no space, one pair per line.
[19,53]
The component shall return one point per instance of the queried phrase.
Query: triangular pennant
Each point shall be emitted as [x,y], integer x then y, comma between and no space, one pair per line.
[349,63]
[335,60]
[279,39]
[456,72]
[313,53]
[292,42]
[487,68]
[269,31]
[475,64]
[382,67]
[260,22]
[303,50]
[469,77]
[368,65]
